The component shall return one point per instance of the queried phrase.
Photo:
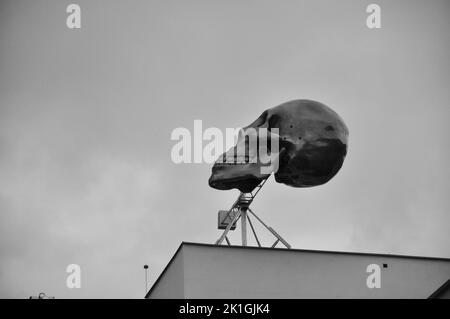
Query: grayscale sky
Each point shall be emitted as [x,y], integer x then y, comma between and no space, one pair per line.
[86,115]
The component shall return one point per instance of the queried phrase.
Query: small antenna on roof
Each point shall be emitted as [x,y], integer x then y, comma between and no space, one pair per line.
[146,272]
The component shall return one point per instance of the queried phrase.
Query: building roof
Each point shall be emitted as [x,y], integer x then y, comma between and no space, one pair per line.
[313,251]
[252,248]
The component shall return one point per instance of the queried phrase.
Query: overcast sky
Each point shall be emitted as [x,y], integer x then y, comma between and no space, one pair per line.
[86,115]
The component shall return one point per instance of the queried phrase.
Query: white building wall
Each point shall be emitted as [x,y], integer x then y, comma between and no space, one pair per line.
[226,272]
[171,285]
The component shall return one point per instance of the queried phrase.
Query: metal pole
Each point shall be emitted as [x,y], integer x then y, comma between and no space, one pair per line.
[244,226]
[146,271]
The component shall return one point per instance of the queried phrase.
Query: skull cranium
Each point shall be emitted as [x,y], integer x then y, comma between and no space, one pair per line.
[312,146]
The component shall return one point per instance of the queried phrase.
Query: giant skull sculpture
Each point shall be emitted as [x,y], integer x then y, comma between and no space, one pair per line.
[312,147]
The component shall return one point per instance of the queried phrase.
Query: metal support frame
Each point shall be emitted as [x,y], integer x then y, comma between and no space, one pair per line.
[241,206]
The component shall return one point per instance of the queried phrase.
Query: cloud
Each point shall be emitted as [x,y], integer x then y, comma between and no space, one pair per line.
[47,221]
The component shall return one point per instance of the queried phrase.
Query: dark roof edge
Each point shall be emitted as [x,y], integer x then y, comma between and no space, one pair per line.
[440,290]
[315,251]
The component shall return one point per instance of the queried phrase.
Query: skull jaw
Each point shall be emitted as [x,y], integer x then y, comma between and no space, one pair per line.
[244,177]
